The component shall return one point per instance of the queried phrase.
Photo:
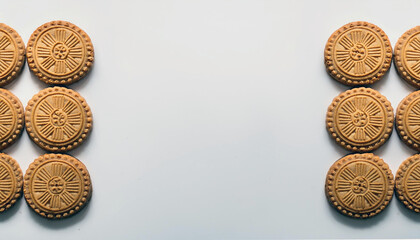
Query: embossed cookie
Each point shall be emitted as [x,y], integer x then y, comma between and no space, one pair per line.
[11,181]
[360,119]
[59,53]
[358,53]
[408,120]
[407,56]
[359,185]
[407,183]
[58,119]
[57,185]
[11,118]
[12,54]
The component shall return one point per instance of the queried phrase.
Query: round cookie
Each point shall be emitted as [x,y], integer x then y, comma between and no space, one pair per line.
[11,118]
[359,185]
[57,185]
[360,119]
[407,183]
[12,54]
[358,53]
[59,52]
[58,119]
[407,120]
[11,181]
[407,56]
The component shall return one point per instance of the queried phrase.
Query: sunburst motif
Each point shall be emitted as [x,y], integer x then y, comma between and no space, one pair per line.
[6,184]
[60,51]
[359,119]
[56,186]
[359,186]
[7,54]
[58,118]
[360,53]
[412,55]
[414,120]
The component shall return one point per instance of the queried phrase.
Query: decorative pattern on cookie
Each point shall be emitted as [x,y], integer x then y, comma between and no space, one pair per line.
[407,183]
[57,186]
[58,119]
[358,53]
[360,119]
[359,185]
[59,52]
[11,118]
[12,54]
[11,181]
[408,120]
[407,56]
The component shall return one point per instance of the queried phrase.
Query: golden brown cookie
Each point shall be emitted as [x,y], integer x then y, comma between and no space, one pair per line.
[359,185]
[407,56]
[59,52]
[358,53]
[407,183]
[58,119]
[360,119]
[57,185]
[408,120]
[12,54]
[11,118]
[11,181]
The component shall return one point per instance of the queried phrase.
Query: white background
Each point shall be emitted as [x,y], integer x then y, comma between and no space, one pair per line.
[209,119]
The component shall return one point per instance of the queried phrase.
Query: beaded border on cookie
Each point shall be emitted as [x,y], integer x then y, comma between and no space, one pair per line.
[19,115]
[74,77]
[21,55]
[335,73]
[87,191]
[31,132]
[329,183]
[415,82]
[389,120]
[399,181]
[19,180]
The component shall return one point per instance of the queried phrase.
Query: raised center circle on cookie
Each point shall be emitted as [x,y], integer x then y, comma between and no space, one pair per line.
[56,185]
[58,118]
[358,52]
[360,185]
[60,51]
[359,118]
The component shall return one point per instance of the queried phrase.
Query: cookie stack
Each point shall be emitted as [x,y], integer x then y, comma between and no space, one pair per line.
[57,119]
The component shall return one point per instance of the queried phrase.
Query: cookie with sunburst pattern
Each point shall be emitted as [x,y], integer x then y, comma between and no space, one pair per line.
[11,181]
[59,52]
[407,56]
[360,119]
[358,53]
[11,118]
[408,120]
[359,185]
[407,183]
[58,119]
[57,186]
[12,54]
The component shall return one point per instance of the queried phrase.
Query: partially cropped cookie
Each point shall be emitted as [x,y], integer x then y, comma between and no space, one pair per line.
[360,119]
[59,52]
[407,183]
[359,185]
[57,185]
[407,56]
[358,53]
[11,118]
[408,120]
[12,54]
[11,181]
[58,119]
